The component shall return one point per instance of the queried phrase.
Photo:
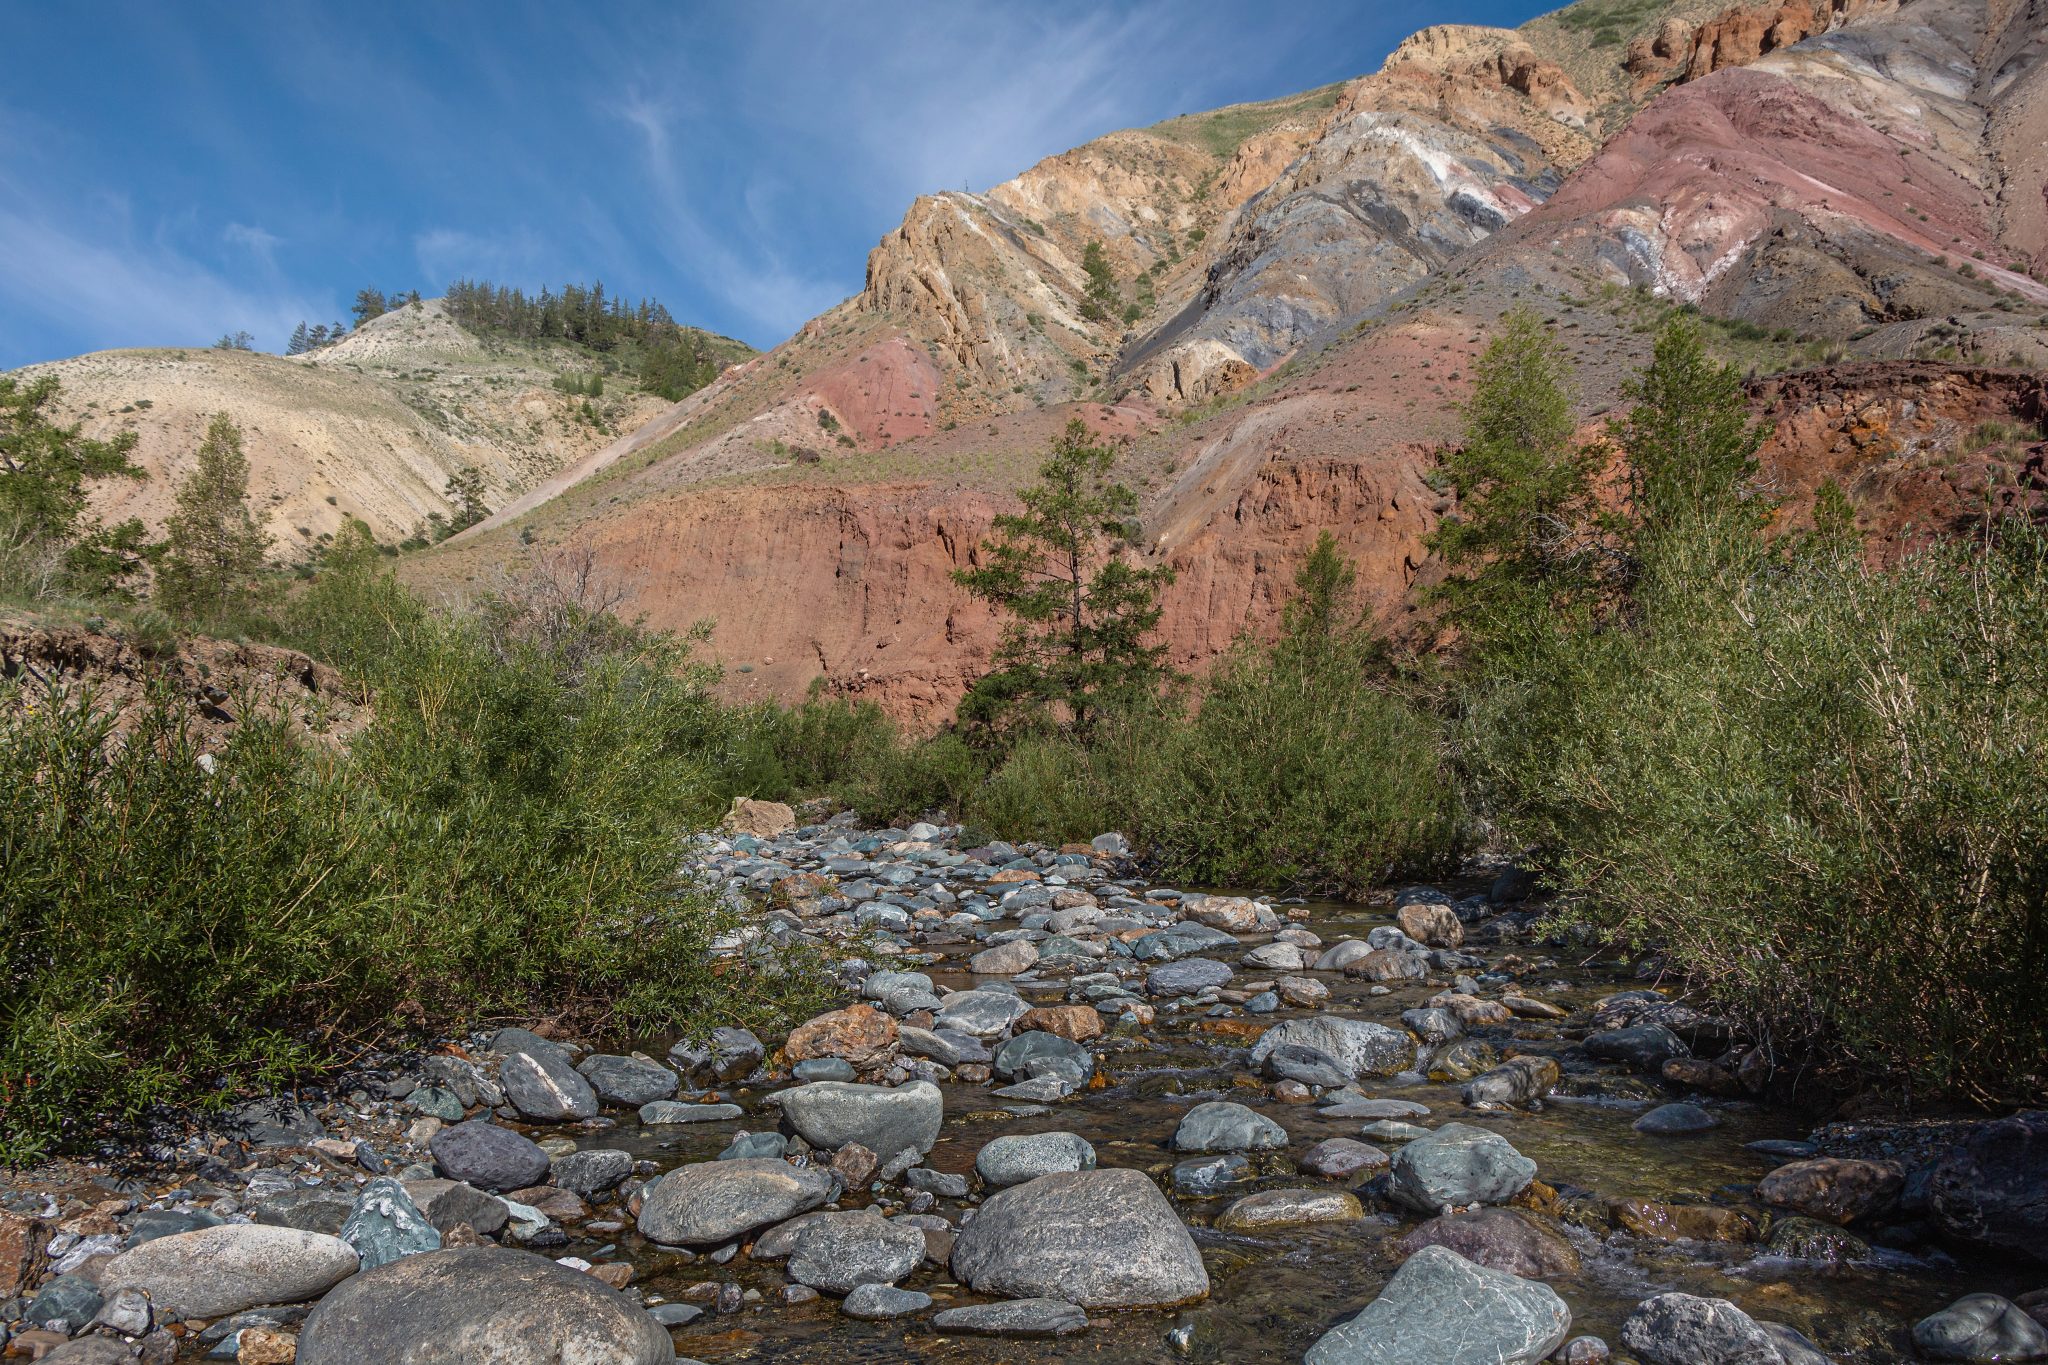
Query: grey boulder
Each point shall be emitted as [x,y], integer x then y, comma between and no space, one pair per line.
[1223,1126]
[715,1201]
[1037,1053]
[1018,1157]
[386,1225]
[488,1157]
[1684,1329]
[837,1252]
[1458,1165]
[544,1087]
[1099,1239]
[1981,1327]
[885,1120]
[980,1014]
[211,1272]
[1440,1309]
[469,1304]
[592,1171]
[1187,976]
[628,1081]
[1360,1046]
[1992,1188]
[728,1055]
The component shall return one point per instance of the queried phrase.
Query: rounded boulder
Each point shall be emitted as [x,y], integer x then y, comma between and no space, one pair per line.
[459,1306]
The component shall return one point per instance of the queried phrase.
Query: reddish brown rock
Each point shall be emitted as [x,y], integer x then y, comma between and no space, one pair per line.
[22,1261]
[1681,1222]
[1076,1023]
[861,1035]
[1431,923]
[1835,1189]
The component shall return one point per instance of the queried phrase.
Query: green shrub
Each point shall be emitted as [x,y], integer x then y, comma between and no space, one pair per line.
[1818,788]
[504,840]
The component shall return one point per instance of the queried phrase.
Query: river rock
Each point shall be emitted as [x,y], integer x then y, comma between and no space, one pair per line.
[860,1035]
[1341,954]
[1339,1158]
[456,1307]
[386,1225]
[761,819]
[1293,1062]
[1201,1176]
[1981,1327]
[1037,1053]
[1361,1047]
[1809,1239]
[1290,1208]
[881,1302]
[657,1113]
[1992,1188]
[592,1171]
[1274,957]
[1188,976]
[1433,1025]
[830,1114]
[1646,1047]
[1675,1120]
[211,1272]
[1099,1239]
[1223,1126]
[1389,964]
[1014,1318]
[1682,1329]
[837,1251]
[728,1055]
[1075,1023]
[1459,1164]
[716,1201]
[1513,1083]
[1005,959]
[1440,1309]
[1231,914]
[980,1014]
[1499,1239]
[1834,1188]
[1181,940]
[543,1087]
[1431,924]
[628,1081]
[1018,1157]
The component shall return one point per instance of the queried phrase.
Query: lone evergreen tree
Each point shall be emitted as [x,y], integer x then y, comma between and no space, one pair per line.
[1102,300]
[213,550]
[466,491]
[1524,535]
[1080,611]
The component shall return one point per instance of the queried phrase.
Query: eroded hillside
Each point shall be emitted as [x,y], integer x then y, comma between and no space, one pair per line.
[369,427]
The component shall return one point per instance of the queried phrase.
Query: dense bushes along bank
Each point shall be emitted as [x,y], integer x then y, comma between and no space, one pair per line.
[504,840]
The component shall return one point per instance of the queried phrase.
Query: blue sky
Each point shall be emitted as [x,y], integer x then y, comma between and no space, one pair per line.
[171,171]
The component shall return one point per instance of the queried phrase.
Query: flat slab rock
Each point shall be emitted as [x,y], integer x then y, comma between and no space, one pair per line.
[1014,1318]
[211,1272]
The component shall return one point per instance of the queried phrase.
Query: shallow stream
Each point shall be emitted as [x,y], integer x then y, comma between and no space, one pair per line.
[1274,1293]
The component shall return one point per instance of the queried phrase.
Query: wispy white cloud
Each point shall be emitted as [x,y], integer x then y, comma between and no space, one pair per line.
[750,278]
[118,290]
[254,240]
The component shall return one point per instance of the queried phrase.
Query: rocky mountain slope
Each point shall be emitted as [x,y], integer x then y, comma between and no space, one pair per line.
[1307,282]
[369,427]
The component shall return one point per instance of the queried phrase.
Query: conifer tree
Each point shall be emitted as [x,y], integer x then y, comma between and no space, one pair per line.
[1525,536]
[213,549]
[301,341]
[1080,611]
[1690,444]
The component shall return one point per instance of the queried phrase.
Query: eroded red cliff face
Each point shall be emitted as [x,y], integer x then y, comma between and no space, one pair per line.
[853,585]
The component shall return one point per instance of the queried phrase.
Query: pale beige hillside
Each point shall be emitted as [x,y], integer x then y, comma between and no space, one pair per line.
[370,427]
